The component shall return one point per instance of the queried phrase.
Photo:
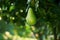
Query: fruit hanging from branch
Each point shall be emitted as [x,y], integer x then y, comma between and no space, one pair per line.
[30,18]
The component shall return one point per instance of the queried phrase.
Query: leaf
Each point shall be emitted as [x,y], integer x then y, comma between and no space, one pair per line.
[11,8]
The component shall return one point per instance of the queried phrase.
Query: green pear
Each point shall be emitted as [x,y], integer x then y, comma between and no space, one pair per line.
[30,18]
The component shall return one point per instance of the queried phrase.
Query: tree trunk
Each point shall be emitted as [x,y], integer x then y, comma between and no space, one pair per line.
[40,37]
[55,34]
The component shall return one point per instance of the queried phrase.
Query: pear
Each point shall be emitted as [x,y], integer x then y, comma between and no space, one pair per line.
[30,18]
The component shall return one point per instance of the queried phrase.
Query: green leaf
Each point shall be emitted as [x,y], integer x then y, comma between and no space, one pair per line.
[11,8]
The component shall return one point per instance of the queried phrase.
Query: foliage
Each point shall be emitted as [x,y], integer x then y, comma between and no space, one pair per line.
[16,17]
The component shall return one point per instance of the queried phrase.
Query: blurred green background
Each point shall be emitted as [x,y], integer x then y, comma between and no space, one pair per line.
[29,20]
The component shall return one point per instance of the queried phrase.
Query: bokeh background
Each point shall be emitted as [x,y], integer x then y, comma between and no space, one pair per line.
[43,20]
